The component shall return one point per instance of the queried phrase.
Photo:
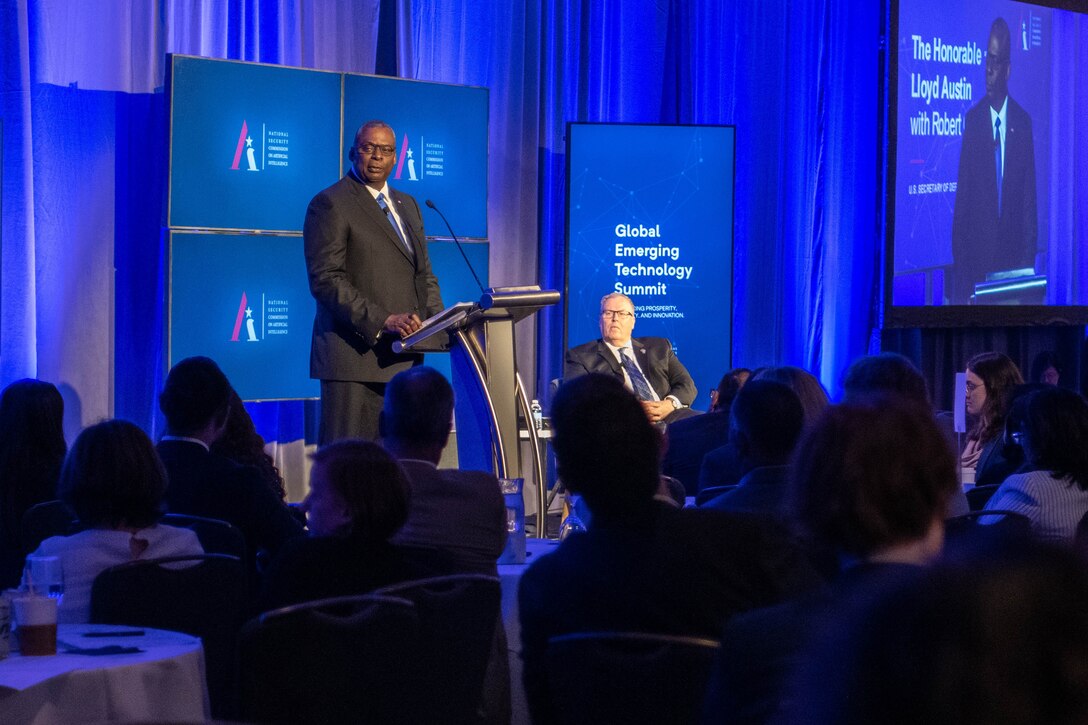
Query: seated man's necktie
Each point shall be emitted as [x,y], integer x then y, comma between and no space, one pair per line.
[638,380]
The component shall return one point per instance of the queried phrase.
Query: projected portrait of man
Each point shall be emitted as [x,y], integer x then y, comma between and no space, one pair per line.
[995,220]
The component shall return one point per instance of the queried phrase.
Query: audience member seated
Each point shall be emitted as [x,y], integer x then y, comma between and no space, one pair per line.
[871,485]
[196,403]
[998,639]
[688,440]
[764,425]
[642,565]
[32,450]
[890,373]
[1054,493]
[991,377]
[1046,368]
[459,513]
[723,466]
[359,497]
[114,483]
[242,444]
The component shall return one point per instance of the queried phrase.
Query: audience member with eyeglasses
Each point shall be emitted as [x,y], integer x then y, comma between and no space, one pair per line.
[991,379]
[366,255]
[646,366]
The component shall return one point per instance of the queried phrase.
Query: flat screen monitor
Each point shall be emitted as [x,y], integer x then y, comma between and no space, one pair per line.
[664,239]
[988,164]
[244,301]
[441,133]
[250,144]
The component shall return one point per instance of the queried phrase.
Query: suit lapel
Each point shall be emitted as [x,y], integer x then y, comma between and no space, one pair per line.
[609,359]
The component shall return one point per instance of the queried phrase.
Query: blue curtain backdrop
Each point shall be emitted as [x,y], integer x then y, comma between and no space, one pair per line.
[84,157]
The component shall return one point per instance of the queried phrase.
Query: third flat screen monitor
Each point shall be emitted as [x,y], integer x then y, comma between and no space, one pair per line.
[988,162]
[665,239]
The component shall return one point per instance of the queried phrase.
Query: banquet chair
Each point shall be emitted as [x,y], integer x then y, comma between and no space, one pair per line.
[49,518]
[458,617]
[216,537]
[712,492]
[1009,523]
[203,596]
[628,677]
[339,660]
[977,496]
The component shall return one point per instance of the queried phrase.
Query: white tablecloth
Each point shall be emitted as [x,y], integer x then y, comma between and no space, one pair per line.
[509,576]
[163,682]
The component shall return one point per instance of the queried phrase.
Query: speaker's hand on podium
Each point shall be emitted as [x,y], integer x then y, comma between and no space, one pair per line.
[403,324]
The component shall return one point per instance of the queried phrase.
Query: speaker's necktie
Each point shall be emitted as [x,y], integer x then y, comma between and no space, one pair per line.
[638,380]
[997,160]
[396,227]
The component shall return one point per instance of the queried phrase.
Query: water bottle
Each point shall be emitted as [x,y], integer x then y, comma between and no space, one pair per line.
[537,413]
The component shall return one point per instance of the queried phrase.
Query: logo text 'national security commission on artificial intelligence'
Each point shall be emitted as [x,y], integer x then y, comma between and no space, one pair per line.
[273,318]
[432,153]
[275,149]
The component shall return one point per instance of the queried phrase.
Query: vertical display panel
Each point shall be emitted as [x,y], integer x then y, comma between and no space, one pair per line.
[660,232]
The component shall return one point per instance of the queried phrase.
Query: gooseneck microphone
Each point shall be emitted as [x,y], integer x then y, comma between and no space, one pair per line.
[459,247]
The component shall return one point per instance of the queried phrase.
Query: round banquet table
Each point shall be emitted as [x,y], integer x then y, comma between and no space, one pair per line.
[164,681]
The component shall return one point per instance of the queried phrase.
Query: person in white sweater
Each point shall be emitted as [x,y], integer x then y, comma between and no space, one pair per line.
[1052,490]
[113,482]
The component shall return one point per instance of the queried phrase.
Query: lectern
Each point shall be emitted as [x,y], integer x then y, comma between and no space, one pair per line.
[480,339]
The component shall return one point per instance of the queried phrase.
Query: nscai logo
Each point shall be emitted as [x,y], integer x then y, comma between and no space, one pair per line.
[274,146]
[271,318]
[431,156]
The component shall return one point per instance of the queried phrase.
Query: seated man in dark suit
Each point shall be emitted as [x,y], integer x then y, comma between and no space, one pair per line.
[641,565]
[196,401]
[693,437]
[645,365]
[764,425]
[459,513]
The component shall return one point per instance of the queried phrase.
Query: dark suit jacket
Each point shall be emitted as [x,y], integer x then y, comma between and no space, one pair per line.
[458,512]
[761,649]
[207,484]
[678,572]
[360,273]
[689,440]
[666,374]
[721,467]
[982,240]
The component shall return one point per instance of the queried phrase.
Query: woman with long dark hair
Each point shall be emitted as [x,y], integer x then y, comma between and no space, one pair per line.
[991,378]
[32,449]
[1053,494]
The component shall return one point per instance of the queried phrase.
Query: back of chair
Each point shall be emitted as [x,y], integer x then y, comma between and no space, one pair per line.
[1005,523]
[628,677]
[347,659]
[216,537]
[977,496]
[713,492]
[49,518]
[200,595]
[458,616]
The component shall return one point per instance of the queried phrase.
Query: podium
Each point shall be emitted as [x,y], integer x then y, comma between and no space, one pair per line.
[480,339]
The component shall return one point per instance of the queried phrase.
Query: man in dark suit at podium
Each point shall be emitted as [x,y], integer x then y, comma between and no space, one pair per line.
[645,365]
[995,220]
[366,255]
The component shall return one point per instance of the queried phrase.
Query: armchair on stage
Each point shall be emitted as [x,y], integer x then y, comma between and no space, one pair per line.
[480,339]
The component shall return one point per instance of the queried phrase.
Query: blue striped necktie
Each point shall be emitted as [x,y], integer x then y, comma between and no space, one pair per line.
[997,160]
[638,380]
[396,227]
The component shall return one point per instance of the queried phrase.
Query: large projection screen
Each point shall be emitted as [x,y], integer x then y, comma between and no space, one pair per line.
[664,239]
[987,164]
